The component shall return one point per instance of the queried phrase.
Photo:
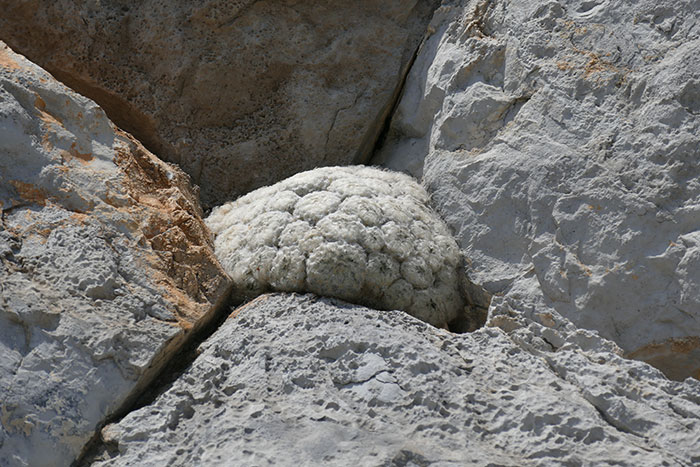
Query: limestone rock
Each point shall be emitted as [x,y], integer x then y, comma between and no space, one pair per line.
[240,94]
[560,143]
[358,233]
[297,380]
[105,264]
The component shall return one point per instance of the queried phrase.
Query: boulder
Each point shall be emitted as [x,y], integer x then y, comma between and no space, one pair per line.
[297,380]
[239,94]
[559,140]
[358,233]
[106,267]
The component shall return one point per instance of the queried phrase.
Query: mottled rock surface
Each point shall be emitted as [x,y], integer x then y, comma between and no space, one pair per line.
[560,141]
[296,380]
[241,94]
[105,263]
[362,234]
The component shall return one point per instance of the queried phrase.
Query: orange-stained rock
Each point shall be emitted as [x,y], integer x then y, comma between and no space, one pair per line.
[105,266]
[679,358]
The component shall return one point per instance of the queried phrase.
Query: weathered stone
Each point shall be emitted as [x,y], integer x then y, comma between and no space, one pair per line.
[560,141]
[240,94]
[105,264]
[358,233]
[297,380]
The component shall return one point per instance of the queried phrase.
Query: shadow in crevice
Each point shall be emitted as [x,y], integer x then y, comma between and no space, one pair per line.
[477,301]
[177,363]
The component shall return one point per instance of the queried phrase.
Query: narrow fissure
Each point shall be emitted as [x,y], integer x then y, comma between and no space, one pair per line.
[178,361]
[385,125]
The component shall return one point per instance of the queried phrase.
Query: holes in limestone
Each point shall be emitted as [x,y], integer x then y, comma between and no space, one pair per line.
[590,8]
[332,406]
[587,6]
[689,97]
[229,390]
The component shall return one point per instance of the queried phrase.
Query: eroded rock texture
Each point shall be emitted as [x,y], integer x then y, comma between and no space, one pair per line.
[358,233]
[297,380]
[105,263]
[560,141]
[227,88]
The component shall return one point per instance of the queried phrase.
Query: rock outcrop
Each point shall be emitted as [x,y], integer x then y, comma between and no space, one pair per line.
[362,234]
[559,140]
[105,266]
[225,88]
[296,380]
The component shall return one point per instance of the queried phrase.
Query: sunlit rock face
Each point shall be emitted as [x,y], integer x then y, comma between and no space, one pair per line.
[105,266]
[559,141]
[302,380]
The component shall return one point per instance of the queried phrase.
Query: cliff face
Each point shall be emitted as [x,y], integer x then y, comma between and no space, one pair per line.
[227,88]
[558,140]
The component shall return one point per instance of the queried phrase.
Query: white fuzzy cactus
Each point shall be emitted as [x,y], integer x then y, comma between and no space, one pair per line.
[361,234]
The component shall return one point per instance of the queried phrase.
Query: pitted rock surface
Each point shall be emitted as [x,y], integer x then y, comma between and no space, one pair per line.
[296,380]
[559,140]
[105,265]
[241,94]
[358,233]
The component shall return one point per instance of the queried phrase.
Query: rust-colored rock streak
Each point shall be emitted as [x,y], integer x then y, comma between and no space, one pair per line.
[677,358]
[106,267]
[182,258]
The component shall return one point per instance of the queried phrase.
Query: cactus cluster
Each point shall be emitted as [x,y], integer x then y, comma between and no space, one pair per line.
[364,235]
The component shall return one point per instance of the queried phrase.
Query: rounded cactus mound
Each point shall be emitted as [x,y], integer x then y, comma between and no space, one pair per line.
[357,233]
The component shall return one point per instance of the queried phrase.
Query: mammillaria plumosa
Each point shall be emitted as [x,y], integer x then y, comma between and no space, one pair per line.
[361,234]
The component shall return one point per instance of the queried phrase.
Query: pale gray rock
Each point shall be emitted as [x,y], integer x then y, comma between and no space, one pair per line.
[559,140]
[299,380]
[105,266]
[362,234]
[240,94]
